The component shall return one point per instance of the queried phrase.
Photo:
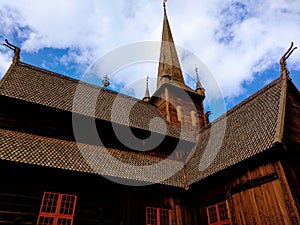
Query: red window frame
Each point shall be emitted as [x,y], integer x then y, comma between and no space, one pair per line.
[157,216]
[57,209]
[218,214]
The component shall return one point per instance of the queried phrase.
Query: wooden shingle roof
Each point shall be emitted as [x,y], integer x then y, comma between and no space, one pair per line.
[32,84]
[250,128]
[245,131]
[67,155]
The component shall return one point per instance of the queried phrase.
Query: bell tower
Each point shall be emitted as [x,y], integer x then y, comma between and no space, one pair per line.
[179,104]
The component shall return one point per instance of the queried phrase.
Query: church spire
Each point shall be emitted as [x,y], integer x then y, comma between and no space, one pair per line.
[147,95]
[199,88]
[169,67]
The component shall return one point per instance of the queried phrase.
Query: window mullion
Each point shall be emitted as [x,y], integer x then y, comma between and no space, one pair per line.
[218,213]
[158,216]
[56,215]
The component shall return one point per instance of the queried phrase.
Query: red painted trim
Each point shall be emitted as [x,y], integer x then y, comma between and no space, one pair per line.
[218,214]
[59,202]
[150,211]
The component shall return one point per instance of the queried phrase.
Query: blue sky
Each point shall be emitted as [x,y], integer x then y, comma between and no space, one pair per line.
[240,42]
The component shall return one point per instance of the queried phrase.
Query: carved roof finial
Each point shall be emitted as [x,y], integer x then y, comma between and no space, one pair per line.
[207,114]
[286,55]
[105,82]
[16,50]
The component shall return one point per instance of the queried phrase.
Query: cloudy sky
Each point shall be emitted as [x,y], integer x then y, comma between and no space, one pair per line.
[239,42]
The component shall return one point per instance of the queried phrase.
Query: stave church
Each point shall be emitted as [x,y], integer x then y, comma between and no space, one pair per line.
[65,159]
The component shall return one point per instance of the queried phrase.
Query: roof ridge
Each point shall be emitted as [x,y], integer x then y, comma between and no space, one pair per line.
[244,102]
[57,74]
[281,111]
[76,81]
[254,95]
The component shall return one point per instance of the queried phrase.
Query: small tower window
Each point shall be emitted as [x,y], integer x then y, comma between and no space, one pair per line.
[194,118]
[179,113]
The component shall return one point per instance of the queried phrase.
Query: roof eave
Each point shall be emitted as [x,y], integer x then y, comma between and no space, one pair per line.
[282,112]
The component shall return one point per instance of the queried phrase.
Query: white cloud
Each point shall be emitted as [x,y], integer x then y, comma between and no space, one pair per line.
[235,39]
[5,61]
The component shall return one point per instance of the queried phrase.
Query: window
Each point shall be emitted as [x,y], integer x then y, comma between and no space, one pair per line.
[157,216]
[179,113]
[194,118]
[57,209]
[218,214]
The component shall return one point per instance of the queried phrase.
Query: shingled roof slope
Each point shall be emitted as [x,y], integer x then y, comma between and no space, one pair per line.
[51,152]
[32,84]
[245,131]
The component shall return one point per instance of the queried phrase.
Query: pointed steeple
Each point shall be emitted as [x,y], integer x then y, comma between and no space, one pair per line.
[199,88]
[169,66]
[147,95]
[177,108]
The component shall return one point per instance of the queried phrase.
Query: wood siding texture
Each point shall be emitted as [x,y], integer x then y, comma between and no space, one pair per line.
[292,119]
[262,196]
[292,170]
[169,111]
[99,201]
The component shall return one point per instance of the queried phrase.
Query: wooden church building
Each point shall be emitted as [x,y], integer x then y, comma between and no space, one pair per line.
[64,158]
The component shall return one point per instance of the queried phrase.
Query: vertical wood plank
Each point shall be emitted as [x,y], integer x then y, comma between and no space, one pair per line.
[288,198]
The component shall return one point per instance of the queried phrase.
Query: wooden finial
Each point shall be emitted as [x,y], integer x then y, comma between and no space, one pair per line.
[105,82]
[15,49]
[286,55]
[147,95]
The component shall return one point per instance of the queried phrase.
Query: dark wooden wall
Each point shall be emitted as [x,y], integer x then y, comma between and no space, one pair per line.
[99,201]
[291,168]
[258,195]
[262,196]
[255,195]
